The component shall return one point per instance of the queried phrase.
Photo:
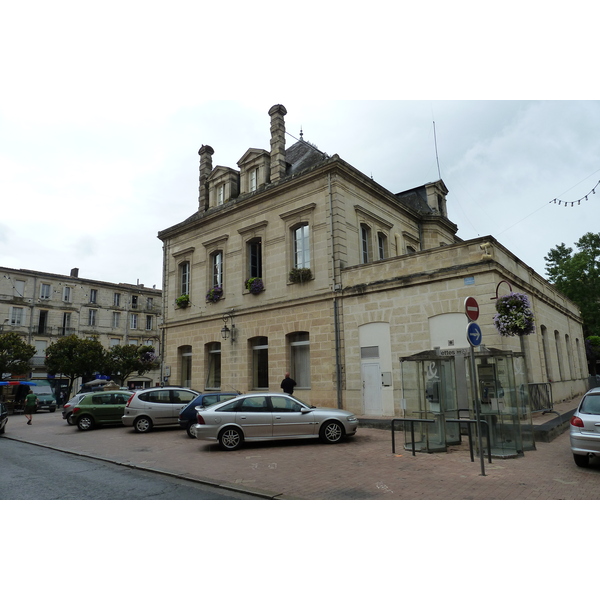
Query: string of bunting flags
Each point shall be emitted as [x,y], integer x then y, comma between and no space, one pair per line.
[578,202]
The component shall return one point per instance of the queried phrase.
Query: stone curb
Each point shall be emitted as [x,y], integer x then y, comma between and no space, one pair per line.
[264,495]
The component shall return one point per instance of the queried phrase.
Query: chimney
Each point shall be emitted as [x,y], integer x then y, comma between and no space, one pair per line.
[75,272]
[277,113]
[205,153]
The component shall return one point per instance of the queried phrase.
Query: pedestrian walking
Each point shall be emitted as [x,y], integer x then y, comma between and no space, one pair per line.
[31,403]
[287,385]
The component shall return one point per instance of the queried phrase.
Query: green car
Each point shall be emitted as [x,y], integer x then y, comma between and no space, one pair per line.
[46,401]
[100,408]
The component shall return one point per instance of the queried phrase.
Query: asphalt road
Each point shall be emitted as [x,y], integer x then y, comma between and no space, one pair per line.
[29,472]
[360,468]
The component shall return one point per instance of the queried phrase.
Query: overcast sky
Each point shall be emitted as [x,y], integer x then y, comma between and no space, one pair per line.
[103,110]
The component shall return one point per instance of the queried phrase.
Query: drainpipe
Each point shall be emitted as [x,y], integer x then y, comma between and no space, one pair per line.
[30,328]
[336,323]
[165,295]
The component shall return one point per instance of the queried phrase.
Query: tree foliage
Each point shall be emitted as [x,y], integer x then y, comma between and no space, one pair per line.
[592,352]
[75,357]
[123,361]
[577,276]
[15,354]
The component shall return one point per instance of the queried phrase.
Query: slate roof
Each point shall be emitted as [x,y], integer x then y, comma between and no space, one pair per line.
[301,156]
[415,199]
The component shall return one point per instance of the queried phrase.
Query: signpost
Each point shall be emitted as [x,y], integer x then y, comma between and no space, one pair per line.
[474,338]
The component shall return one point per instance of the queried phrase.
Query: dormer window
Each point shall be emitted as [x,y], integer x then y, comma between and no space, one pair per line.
[253,180]
[223,185]
[254,168]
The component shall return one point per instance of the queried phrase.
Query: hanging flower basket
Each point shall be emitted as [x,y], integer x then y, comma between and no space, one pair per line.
[255,285]
[514,316]
[214,294]
[183,301]
[300,275]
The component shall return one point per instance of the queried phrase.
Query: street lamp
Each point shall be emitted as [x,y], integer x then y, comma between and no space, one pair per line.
[227,333]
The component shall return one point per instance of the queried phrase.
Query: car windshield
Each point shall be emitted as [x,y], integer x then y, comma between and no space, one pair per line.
[591,405]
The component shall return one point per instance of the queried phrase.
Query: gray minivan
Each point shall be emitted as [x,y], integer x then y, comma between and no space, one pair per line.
[154,407]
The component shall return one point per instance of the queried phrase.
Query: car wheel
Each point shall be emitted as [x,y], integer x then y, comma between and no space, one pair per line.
[189,430]
[231,438]
[70,419]
[3,429]
[142,425]
[581,460]
[331,432]
[52,410]
[85,422]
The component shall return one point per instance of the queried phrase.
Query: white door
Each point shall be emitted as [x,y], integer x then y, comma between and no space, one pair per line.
[371,383]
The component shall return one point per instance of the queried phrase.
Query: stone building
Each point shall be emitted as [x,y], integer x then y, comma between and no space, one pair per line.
[43,307]
[296,261]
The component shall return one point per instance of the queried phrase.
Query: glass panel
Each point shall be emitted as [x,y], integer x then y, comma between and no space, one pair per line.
[186,370]
[260,362]
[213,379]
[301,248]
[429,388]
[300,358]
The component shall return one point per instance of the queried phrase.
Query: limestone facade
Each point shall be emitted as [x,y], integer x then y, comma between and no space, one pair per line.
[388,278]
[43,307]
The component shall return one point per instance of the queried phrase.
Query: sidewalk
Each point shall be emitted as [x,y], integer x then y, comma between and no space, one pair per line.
[546,426]
[361,468]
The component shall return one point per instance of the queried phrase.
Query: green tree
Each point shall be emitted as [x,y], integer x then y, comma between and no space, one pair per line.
[15,354]
[577,276]
[123,361]
[75,357]
[592,352]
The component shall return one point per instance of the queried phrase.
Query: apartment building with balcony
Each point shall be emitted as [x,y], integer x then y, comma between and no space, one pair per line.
[43,307]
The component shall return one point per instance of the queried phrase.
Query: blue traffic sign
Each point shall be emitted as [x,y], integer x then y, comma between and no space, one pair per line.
[474,334]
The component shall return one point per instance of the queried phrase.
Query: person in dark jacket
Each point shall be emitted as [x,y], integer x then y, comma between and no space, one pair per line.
[287,385]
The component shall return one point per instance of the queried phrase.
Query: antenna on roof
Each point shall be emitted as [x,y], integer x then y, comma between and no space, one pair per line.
[301,134]
[436,151]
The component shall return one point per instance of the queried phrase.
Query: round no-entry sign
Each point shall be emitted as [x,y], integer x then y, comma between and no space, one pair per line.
[471,308]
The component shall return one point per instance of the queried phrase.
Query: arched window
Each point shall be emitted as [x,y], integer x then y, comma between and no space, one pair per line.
[571,373]
[546,348]
[559,355]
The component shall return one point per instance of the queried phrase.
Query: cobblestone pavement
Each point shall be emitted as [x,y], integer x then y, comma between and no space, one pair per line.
[361,468]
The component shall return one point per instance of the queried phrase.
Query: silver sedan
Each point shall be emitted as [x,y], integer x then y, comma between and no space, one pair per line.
[261,417]
[585,429]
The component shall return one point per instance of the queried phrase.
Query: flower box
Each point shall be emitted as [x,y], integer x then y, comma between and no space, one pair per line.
[300,275]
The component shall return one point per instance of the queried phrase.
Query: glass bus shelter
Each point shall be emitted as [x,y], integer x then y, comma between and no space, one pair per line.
[438,385]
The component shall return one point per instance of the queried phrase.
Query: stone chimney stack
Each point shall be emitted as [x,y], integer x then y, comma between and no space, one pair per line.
[205,153]
[277,113]
[75,272]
